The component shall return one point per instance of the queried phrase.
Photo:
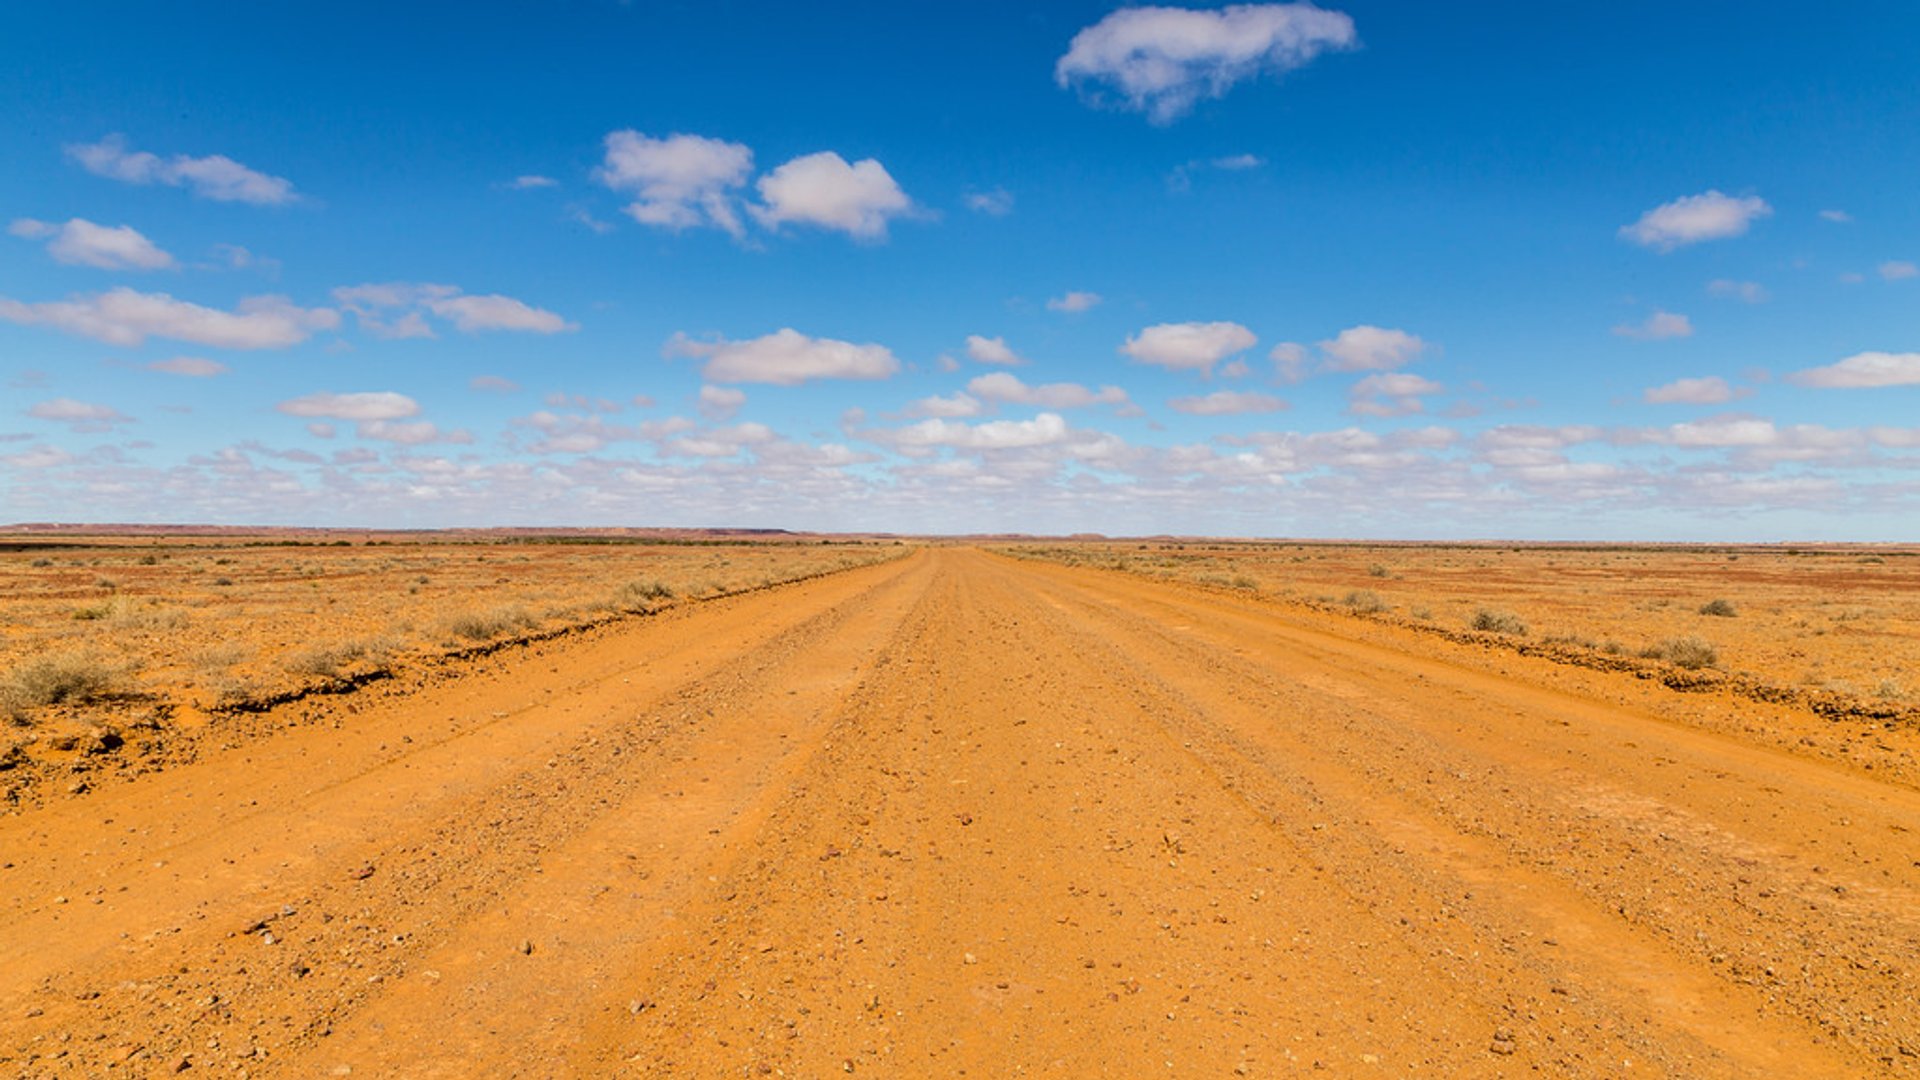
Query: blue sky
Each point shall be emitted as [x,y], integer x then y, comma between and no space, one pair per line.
[1410,270]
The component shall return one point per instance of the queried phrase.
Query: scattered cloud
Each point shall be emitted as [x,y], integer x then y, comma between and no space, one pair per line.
[679,182]
[994,202]
[191,367]
[1862,371]
[1897,270]
[367,405]
[952,406]
[1370,348]
[1838,217]
[1181,178]
[82,417]
[1390,394]
[824,190]
[1659,326]
[1002,386]
[1074,302]
[493,384]
[1750,292]
[1691,219]
[1161,61]
[80,242]
[785,358]
[1711,390]
[991,350]
[531,182]
[1045,429]
[1227,403]
[127,318]
[1189,346]
[721,402]
[215,177]
[1289,361]
[398,310]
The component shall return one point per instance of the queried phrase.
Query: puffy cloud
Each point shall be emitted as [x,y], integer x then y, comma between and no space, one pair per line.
[680,181]
[997,202]
[952,406]
[79,416]
[1751,292]
[192,367]
[1693,218]
[216,177]
[785,358]
[991,350]
[409,432]
[1897,270]
[1659,326]
[822,189]
[1390,394]
[1289,361]
[1371,348]
[1723,431]
[1161,60]
[127,318]
[363,406]
[82,243]
[1043,430]
[1711,390]
[1863,370]
[38,457]
[721,402]
[1004,387]
[1227,403]
[720,442]
[1192,346]
[396,310]
[1074,302]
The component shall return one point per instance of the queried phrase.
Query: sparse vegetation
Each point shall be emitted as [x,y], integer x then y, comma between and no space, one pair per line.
[75,676]
[1364,602]
[492,623]
[329,659]
[1722,608]
[1691,653]
[1495,620]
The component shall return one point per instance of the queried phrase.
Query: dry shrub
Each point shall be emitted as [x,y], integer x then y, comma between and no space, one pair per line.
[492,623]
[1691,653]
[62,677]
[1497,621]
[1365,602]
[328,659]
[1722,608]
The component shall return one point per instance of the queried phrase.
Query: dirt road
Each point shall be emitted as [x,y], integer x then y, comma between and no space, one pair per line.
[963,815]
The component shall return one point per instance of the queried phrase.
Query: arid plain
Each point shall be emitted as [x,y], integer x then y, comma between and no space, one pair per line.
[486,805]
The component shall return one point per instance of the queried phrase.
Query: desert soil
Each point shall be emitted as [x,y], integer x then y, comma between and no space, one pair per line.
[961,814]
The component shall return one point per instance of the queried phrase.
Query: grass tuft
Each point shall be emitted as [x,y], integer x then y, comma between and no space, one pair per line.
[1497,621]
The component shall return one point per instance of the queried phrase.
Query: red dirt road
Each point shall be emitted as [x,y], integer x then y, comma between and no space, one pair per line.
[958,814]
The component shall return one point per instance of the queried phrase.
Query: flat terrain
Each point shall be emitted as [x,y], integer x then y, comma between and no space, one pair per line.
[965,814]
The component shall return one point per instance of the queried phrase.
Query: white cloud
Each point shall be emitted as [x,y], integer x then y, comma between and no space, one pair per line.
[409,432]
[127,318]
[364,406]
[79,416]
[1711,390]
[1371,348]
[721,402]
[1838,217]
[1693,218]
[396,310]
[1723,431]
[1289,361]
[530,182]
[785,358]
[680,181]
[494,384]
[38,457]
[822,189]
[192,367]
[1751,292]
[996,202]
[1227,403]
[991,350]
[1043,430]
[1161,60]
[1192,346]
[1395,393]
[1074,302]
[82,243]
[1897,270]
[1863,370]
[952,406]
[216,177]
[1005,387]
[1659,326]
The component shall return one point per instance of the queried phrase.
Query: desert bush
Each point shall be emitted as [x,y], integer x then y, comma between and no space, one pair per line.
[42,563]
[1377,570]
[489,624]
[62,677]
[94,612]
[1242,581]
[1685,652]
[327,659]
[1497,621]
[1722,607]
[1364,602]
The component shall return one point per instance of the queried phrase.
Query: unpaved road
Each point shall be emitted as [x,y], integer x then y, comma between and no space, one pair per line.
[962,815]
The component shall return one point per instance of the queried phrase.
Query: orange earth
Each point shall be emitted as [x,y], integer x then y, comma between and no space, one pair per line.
[959,813]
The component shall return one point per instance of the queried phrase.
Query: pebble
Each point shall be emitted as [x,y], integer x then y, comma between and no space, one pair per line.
[526,948]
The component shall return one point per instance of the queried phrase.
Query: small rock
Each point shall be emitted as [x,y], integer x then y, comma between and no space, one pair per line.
[969,958]
[361,874]
[526,948]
